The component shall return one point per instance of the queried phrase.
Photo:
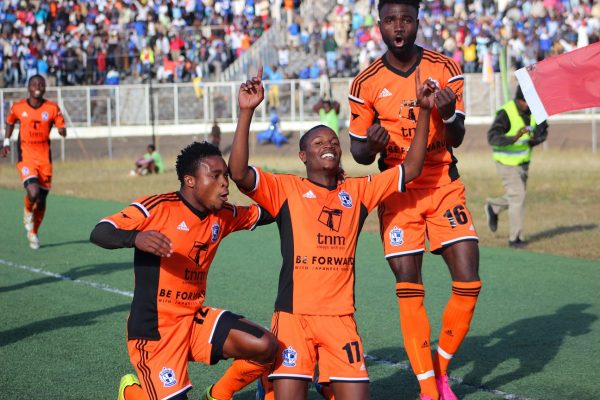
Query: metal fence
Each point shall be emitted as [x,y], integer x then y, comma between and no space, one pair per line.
[185,108]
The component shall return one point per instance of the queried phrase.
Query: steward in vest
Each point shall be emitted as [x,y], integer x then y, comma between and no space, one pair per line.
[512,135]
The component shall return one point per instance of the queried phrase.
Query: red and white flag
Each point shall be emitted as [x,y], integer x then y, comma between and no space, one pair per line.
[570,81]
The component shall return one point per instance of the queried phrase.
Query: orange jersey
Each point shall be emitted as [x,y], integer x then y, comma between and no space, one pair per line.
[34,131]
[319,228]
[383,94]
[168,288]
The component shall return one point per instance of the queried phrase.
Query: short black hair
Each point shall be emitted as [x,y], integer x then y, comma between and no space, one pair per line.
[190,158]
[306,136]
[415,3]
[36,76]
[152,147]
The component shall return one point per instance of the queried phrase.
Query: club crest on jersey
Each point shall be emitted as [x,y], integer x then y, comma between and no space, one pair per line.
[345,199]
[396,236]
[45,116]
[215,230]
[290,356]
[167,377]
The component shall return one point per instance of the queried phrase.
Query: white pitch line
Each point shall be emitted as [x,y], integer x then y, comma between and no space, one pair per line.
[381,361]
[95,285]
[404,366]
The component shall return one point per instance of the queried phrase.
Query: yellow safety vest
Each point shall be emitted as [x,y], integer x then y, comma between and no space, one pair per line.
[520,151]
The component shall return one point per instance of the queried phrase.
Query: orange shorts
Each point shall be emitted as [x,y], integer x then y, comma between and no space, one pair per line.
[162,365]
[439,213]
[41,172]
[332,341]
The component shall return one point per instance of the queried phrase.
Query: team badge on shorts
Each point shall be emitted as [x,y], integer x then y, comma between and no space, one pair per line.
[215,230]
[396,236]
[345,199]
[25,171]
[290,357]
[45,116]
[167,377]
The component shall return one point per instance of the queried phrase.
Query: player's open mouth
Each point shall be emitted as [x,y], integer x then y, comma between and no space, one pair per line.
[399,41]
[328,156]
[224,196]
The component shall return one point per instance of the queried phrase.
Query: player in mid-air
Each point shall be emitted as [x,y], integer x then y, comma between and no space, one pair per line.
[176,236]
[319,219]
[36,117]
[384,114]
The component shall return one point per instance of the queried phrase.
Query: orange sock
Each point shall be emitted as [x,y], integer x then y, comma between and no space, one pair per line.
[38,217]
[456,322]
[416,332]
[28,204]
[240,374]
[134,392]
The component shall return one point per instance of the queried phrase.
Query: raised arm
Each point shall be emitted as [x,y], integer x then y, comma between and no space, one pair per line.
[413,164]
[445,101]
[250,95]
[364,152]
[318,105]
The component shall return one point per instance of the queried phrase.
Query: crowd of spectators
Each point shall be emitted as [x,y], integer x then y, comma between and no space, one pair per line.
[111,41]
[470,32]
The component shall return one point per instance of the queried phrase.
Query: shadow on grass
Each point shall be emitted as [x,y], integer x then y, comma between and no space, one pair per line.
[67,321]
[45,246]
[531,342]
[560,230]
[71,275]
[521,343]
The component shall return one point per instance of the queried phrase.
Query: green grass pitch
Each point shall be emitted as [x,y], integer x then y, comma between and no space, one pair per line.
[535,334]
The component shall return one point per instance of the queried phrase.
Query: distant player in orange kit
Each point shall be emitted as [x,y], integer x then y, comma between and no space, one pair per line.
[36,117]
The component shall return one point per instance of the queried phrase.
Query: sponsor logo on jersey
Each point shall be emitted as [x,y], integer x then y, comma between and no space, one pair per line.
[45,116]
[396,236]
[196,252]
[290,357]
[183,227]
[309,195]
[167,377]
[384,93]
[331,218]
[345,198]
[24,114]
[214,232]
[363,367]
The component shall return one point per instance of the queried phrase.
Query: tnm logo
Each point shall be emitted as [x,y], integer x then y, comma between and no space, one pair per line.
[333,240]
[331,218]
[195,253]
